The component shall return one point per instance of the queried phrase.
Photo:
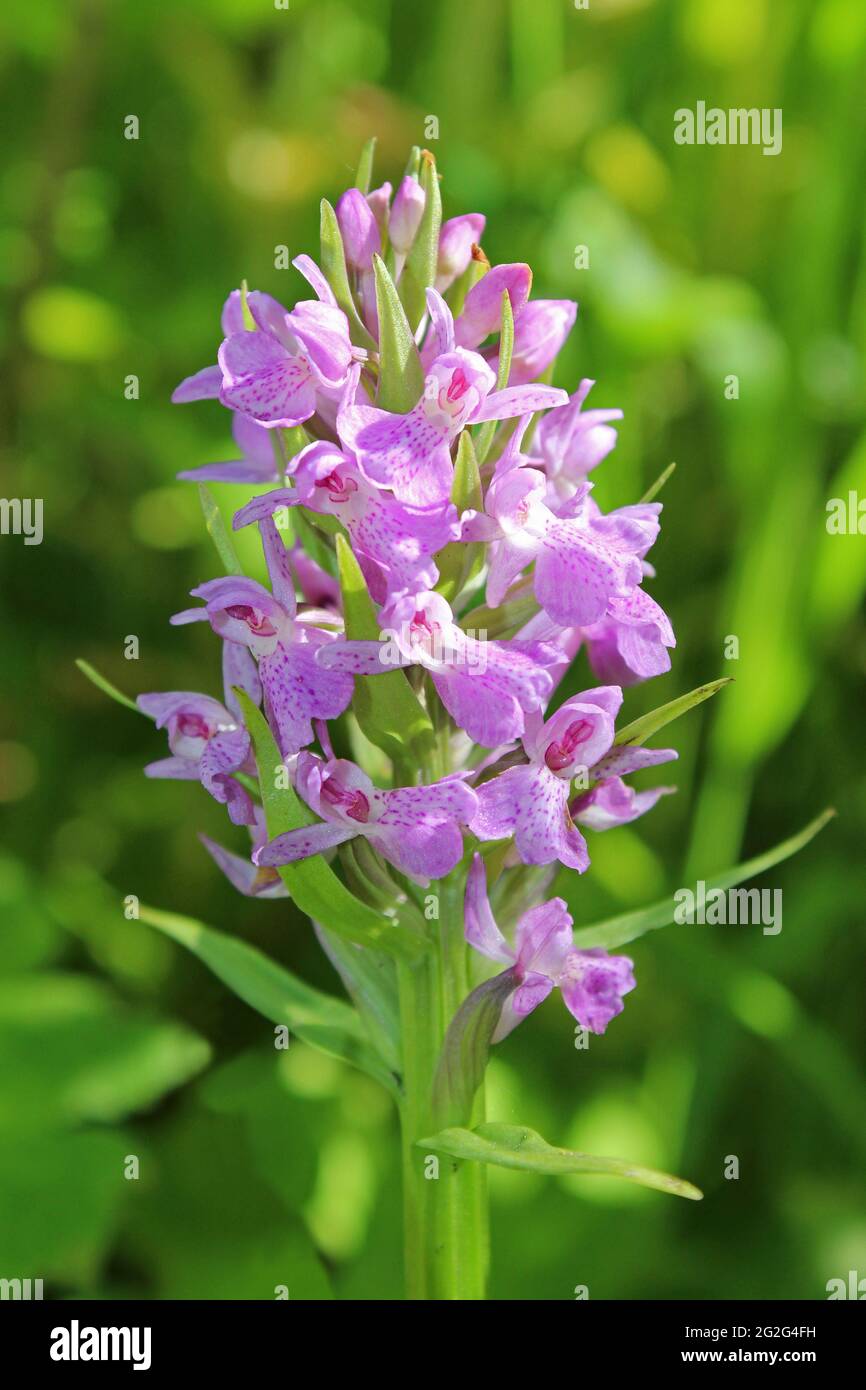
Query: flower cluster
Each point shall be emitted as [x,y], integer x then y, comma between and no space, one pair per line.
[471,516]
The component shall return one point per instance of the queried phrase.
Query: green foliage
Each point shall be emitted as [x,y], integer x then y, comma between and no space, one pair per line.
[630,925]
[333,260]
[401,377]
[513,1146]
[641,729]
[388,711]
[419,273]
[319,1019]
[466,1049]
[458,561]
[218,532]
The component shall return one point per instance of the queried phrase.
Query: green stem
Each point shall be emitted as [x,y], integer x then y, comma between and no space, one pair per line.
[445,1201]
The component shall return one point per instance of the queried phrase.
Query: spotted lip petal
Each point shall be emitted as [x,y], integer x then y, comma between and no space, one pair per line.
[399,540]
[263,380]
[531,800]
[418,829]
[407,453]
[297,691]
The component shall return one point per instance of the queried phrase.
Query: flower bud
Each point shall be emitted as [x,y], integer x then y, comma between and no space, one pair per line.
[456,240]
[358,227]
[406,214]
[379,201]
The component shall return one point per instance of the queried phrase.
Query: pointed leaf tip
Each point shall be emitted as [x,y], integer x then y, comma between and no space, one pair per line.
[516,1146]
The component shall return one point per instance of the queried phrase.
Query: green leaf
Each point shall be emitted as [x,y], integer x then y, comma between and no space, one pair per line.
[319,1019]
[385,706]
[659,483]
[475,271]
[641,729]
[503,621]
[365,166]
[466,1049]
[312,882]
[419,272]
[401,376]
[413,164]
[616,931]
[75,1053]
[370,981]
[106,687]
[515,1146]
[506,348]
[216,527]
[458,561]
[246,312]
[313,541]
[335,272]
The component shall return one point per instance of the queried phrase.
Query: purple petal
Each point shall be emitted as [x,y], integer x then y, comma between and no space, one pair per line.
[480,926]
[543,938]
[277,561]
[179,769]
[402,539]
[301,843]
[232,471]
[519,400]
[505,562]
[577,574]
[232,315]
[297,690]
[314,277]
[424,850]
[268,314]
[359,658]
[540,329]
[202,386]
[440,335]
[243,875]
[488,714]
[457,236]
[161,705]
[261,380]
[359,229]
[614,803]
[573,443]
[407,453]
[592,986]
[626,758]
[323,332]
[224,754]
[532,992]
[482,310]
[240,669]
[532,802]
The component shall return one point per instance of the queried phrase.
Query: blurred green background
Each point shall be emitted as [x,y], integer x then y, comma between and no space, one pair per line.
[259,1169]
